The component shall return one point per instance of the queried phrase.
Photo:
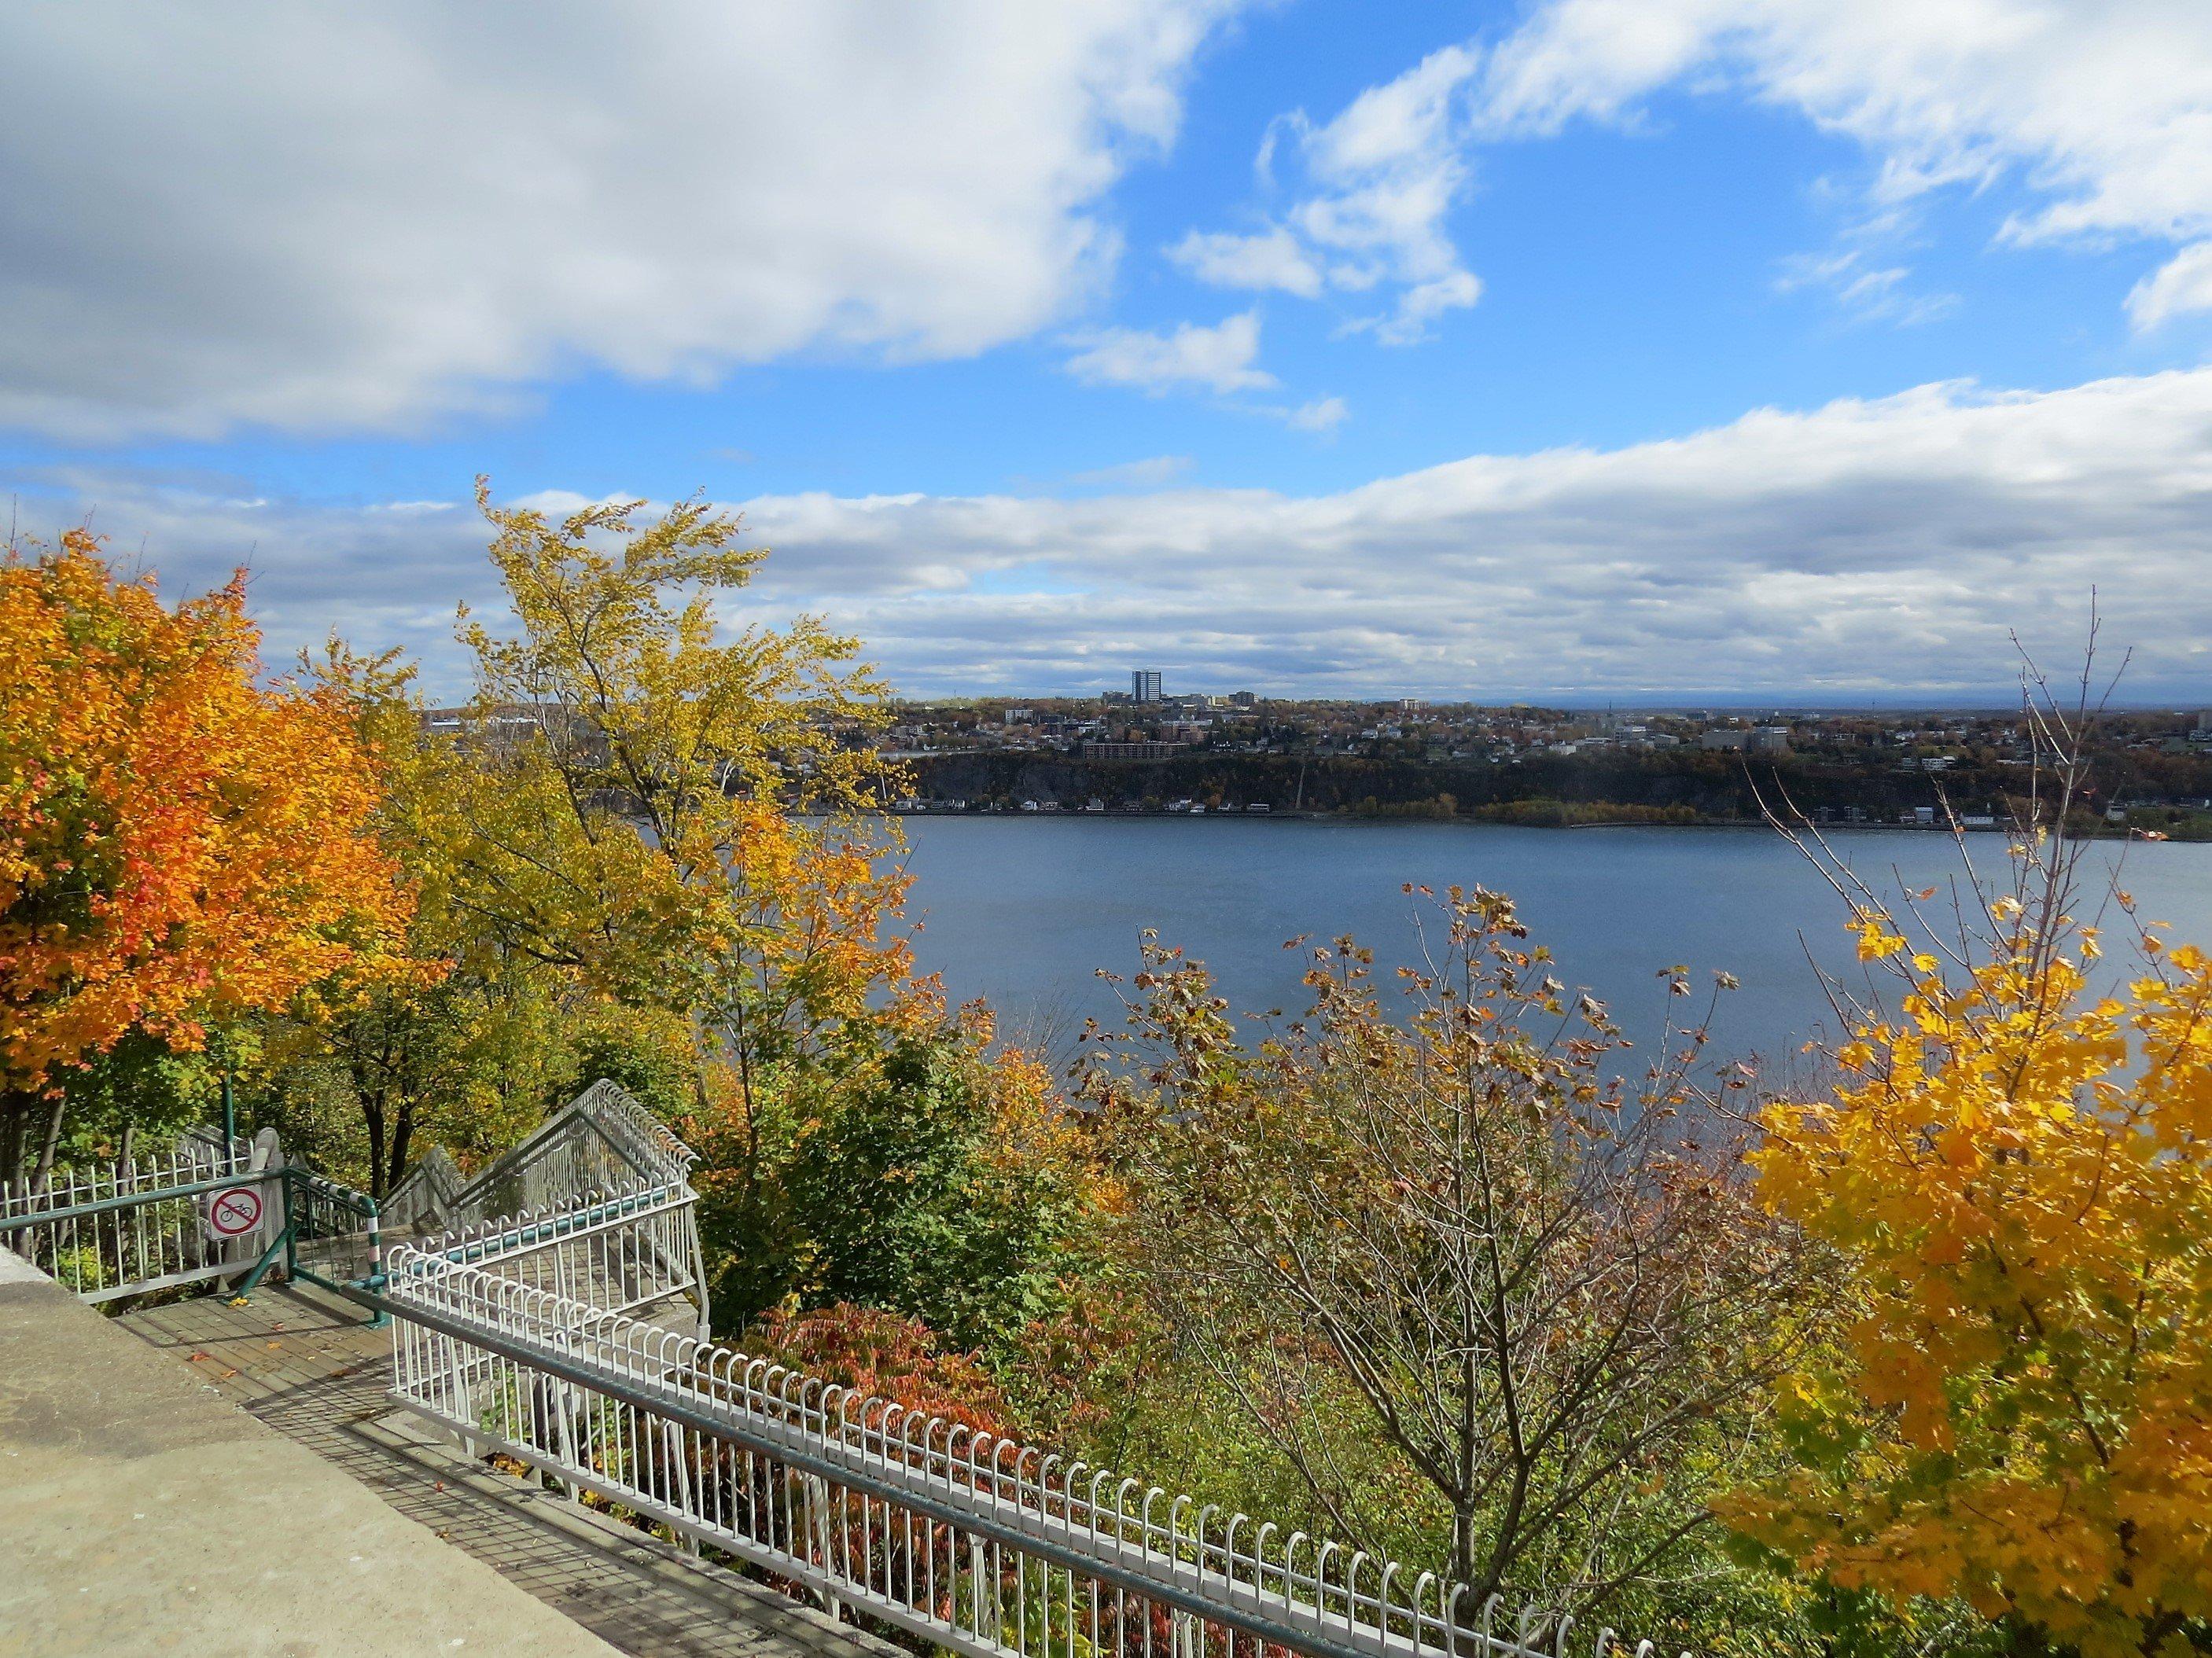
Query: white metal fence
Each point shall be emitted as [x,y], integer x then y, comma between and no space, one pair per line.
[111,1229]
[629,1247]
[533,1333]
[980,1545]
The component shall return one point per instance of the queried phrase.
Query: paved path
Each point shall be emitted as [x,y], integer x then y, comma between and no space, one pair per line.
[302,1362]
[140,1513]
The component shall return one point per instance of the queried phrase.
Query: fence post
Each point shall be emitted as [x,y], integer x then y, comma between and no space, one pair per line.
[380,1318]
[975,1585]
[671,1440]
[818,1524]
[571,1452]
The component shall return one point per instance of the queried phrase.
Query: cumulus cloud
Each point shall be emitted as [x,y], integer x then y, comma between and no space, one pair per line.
[2183,284]
[1322,415]
[2102,108]
[1377,182]
[335,218]
[1271,259]
[1216,358]
[1866,548]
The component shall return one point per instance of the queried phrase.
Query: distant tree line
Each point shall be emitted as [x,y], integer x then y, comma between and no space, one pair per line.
[1707,786]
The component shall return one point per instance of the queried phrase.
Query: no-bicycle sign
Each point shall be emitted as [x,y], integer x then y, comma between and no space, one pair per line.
[234,1211]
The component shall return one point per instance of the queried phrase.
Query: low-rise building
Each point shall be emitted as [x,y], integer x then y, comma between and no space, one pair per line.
[1137,751]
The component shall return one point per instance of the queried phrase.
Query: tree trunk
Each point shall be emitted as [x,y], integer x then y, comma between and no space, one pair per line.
[50,1145]
[1463,1554]
[15,1114]
[403,1133]
[372,1117]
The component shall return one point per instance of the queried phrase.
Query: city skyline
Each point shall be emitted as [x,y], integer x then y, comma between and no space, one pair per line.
[1575,348]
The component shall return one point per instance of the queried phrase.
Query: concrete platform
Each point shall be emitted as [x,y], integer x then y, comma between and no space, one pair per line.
[141,1513]
[300,1361]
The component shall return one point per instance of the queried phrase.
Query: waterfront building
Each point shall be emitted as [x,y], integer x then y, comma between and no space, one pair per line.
[1134,750]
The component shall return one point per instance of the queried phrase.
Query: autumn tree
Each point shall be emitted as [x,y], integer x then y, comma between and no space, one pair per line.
[467,1044]
[660,815]
[675,813]
[2014,1171]
[1448,1266]
[931,1175]
[180,845]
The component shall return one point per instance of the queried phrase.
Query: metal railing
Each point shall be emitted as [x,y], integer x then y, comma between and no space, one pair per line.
[629,1247]
[600,1140]
[195,1213]
[978,1543]
[526,1334]
[333,1235]
[111,1230]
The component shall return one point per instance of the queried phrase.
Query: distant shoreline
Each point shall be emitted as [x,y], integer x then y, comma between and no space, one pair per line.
[1465,821]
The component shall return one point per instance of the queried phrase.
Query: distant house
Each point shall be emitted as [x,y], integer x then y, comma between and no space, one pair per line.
[1136,750]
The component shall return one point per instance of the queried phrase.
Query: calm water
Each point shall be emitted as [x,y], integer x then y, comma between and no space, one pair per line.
[1021,911]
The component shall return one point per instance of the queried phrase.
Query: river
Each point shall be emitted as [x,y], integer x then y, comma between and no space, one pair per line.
[1023,911]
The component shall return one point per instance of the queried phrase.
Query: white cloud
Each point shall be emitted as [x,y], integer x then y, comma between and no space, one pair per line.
[1379,180]
[1217,359]
[2183,284]
[1322,415]
[2101,108]
[1878,547]
[1271,259]
[338,218]
[1866,290]
[1423,303]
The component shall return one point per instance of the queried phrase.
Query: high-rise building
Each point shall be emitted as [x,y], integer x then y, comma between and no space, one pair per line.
[1145,685]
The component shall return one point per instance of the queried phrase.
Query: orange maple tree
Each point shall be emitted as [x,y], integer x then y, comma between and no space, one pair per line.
[179,844]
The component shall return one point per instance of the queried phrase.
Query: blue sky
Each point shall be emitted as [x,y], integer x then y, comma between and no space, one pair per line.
[1757,349]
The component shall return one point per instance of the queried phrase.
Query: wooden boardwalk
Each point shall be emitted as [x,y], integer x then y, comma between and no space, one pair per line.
[303,1362]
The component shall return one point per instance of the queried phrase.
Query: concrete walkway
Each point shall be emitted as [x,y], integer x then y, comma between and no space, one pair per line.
[141,1513]
[303,1363]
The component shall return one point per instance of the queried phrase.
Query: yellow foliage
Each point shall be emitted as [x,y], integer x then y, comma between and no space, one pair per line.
[2017,1174]
[677,813]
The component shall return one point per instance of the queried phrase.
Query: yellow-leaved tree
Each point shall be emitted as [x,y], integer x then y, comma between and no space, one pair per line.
[642,853]
[2015,1172]
[679,815]
[464,1049]
[676,812]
